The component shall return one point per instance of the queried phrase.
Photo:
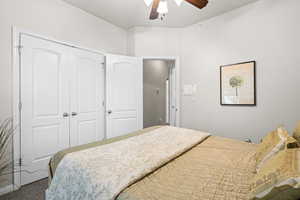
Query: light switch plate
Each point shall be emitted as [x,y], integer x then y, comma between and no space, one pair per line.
[189,90]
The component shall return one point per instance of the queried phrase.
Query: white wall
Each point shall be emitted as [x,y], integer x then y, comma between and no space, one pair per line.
[55,19]
[156,41]
[266,31]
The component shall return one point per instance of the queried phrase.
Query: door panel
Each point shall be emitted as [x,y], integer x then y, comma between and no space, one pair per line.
[124,95]
[87,131]
[45,71]
[122,126]
[87,100]
[45,139]
[44,96]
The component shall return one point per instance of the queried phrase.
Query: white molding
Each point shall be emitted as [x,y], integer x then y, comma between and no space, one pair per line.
[19,31]
[16,99]
[16,36]
[178,91]
[178,87]
[160,58]
[141,96]
[6,189]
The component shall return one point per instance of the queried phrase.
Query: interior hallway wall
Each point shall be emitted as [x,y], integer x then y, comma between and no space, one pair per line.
[156,72]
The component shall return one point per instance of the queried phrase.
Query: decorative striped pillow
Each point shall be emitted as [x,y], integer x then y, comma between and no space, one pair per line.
[271,144]
[278,178]
[296,133]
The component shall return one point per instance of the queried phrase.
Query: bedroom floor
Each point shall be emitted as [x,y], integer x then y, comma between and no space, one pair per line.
[33,191]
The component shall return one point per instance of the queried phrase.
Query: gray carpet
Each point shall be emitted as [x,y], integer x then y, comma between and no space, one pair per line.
[33,191]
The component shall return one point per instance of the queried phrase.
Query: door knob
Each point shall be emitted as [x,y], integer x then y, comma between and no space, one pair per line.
[74,114]
[66,115]
[109,112]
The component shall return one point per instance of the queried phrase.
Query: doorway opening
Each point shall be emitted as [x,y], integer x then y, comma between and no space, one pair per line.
[159,88]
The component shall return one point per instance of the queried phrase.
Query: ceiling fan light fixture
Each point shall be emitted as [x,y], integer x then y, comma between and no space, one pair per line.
[163,7]
[178,2]
[148,2]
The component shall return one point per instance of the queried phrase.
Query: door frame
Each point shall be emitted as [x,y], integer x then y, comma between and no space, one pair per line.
[16,93]
[177,82]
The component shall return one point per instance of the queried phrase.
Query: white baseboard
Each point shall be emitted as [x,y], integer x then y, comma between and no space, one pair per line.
[6,189]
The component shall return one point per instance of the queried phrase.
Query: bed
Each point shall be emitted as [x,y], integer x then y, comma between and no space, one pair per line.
[218,168]
[213,168]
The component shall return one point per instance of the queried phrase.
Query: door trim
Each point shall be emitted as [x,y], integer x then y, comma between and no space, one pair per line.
[16,90]
[177,82]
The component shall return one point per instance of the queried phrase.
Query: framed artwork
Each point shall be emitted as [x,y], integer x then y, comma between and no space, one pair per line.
[238,84]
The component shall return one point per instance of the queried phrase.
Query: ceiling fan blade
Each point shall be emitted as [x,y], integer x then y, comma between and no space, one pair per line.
[198,3]
[154,14]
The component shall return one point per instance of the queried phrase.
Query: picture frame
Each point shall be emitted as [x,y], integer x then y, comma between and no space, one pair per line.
[238,84]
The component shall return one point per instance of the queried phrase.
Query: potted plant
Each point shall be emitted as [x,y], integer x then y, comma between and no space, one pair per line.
[6,133]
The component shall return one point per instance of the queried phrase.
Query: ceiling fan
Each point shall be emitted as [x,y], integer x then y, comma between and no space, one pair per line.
[161,6]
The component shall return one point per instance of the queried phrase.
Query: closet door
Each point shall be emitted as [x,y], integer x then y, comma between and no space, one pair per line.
[124,95]
[44,97]
[87,98]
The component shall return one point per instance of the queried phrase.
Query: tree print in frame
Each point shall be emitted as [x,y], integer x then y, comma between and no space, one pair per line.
[238,84]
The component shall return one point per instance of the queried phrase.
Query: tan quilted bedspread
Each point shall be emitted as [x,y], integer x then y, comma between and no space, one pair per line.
[216,169]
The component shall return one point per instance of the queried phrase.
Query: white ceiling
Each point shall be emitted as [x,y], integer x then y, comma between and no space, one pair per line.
[131,13]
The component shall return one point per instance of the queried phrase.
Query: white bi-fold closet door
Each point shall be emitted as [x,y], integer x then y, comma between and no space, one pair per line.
[87,100]
[62,95]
